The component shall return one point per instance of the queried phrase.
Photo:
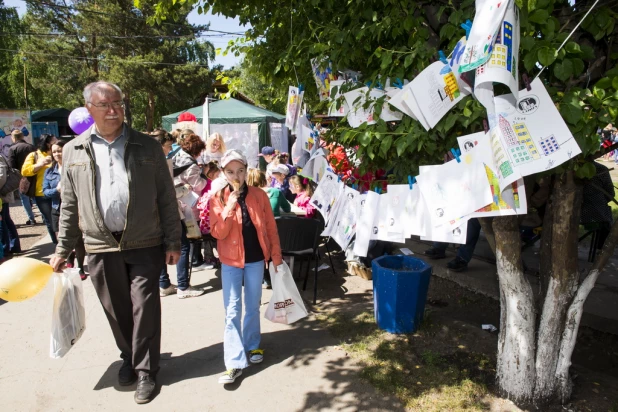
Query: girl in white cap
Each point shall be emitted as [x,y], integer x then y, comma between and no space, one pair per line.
[243,223]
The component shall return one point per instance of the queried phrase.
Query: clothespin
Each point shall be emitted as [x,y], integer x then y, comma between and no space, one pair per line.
[442,57]
[301,88]
[467,26]
[378,190]
[485,125]
[526,81]
[339,178]
[411,181]
[398,83]
[354,186]
[456,153]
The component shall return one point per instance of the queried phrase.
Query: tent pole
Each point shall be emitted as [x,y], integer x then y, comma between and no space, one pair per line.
[206,118]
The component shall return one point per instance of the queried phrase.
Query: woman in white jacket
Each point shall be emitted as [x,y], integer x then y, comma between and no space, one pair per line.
[187,176]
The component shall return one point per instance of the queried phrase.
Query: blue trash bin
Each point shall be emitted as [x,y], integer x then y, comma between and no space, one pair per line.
[400,285]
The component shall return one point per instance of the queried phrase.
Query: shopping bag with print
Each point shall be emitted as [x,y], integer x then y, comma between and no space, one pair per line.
[285,306]
[68,314]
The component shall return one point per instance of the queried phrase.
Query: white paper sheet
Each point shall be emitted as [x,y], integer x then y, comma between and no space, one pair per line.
[344,225]
[356,99]
[453,189]
[364,225]
[444,235]
[326,194]
[502,66]
[387,114]
[397,101]
[512,201]
[416,217]
[436,91]
[530,136]
[295,99]
[332,108]
[397,196]
[487,21]
[380,229]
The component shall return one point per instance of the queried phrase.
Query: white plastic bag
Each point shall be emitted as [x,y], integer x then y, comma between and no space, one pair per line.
[285,306]
[68,314]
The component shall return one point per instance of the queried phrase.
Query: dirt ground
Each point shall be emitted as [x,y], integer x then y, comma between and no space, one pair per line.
[452,336]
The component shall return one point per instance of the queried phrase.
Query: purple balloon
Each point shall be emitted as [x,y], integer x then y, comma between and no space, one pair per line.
[80,120]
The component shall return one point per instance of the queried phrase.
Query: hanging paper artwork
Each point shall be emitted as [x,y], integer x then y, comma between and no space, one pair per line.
[453,189]
[530,136]
[295,99]
[332,108]
[326,194]
[316,167]
[381,224]
[485,27]
[464,80]
[356,100]
[434,92]
[323,76]
[387,114]
[396,100]
[445,234]
[416,216]
[502,65]
[396,218]
[343,228]
[512,201]
[365,224]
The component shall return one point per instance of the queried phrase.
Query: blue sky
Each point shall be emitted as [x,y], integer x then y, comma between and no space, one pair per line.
[216,23]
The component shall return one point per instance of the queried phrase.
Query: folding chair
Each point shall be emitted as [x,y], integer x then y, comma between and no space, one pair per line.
[299,238]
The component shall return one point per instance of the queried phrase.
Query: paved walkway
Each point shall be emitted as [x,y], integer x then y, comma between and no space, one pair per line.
[303,369]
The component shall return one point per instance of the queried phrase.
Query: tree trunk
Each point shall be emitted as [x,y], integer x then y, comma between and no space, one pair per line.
[150,113]
[563,279]
[516,346]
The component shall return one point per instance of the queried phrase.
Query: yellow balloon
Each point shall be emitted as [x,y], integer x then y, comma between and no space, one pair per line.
[22,278]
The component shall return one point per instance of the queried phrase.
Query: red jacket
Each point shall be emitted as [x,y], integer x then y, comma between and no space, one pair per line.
[228,229]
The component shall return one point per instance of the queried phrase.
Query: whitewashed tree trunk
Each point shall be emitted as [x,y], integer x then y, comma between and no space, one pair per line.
[516,346]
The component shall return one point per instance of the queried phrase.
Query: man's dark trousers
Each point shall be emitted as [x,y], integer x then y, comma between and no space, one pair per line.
[127,283]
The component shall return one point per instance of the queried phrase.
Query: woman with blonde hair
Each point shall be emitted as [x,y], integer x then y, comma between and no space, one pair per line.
[215,148]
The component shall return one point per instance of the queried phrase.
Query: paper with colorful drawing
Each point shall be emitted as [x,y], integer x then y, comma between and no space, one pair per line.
[344,224]
[530,136]
[364,226]
[326,194]
[295,99]
[323,75]
[453,190]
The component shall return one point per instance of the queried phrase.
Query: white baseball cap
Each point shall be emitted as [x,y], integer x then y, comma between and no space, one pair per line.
[233,155]
[283,169]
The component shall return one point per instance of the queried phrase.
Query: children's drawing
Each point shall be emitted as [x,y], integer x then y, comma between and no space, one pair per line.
[434,92]
[356,99]
[381,223]
[453,189]
[502,65]
[530,135]
[396,100]
[326,194]
[295,99]
[323,76]
[487,22]
[365,224]
[344,225]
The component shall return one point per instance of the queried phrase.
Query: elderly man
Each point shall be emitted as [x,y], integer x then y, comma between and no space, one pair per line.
[117,190]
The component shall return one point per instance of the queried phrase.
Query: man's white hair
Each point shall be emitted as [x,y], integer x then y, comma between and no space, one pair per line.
[100,87]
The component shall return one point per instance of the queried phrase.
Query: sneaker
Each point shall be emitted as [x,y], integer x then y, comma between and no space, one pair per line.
[256,355]
[170,290]
[204,266]
[30,222]
[457,264]
[126,374]
[434,253]
[189,292]
[145,391]
[230,376]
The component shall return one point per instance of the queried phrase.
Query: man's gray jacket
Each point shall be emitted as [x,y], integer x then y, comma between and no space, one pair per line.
[152,212]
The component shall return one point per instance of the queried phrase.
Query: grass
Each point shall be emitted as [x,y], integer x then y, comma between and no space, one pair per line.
[421,369]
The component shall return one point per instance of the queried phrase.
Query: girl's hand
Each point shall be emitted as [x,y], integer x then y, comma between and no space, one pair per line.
[58,187]
[233,199]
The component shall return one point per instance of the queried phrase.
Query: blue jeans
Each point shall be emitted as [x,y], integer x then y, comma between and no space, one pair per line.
[236,341]
[10,238]
[45,207]
[27,203]
[182,267]
[466,251]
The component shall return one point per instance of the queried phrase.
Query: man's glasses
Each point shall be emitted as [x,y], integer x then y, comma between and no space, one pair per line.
[106,106]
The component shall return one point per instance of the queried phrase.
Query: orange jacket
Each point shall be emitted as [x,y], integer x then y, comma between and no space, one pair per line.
[228,229]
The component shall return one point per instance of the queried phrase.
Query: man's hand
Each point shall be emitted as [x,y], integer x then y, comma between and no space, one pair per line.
[171,258]
[57,263]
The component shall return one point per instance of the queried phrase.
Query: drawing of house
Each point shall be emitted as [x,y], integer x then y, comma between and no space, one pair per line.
[507,131]
[549,145]
[498,56]
[520,154]
[508,43]
[451,88]
[480,70]
[523,137]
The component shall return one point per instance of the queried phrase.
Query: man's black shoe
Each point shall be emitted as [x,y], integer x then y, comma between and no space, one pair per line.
[457,265]
[126,374]
[434,253]
[146,385]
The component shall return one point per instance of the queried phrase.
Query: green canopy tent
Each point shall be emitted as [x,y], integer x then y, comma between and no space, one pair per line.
[243,126]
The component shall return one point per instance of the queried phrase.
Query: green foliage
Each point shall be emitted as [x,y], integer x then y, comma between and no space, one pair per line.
[398,39]
[161,69]
[12,94]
